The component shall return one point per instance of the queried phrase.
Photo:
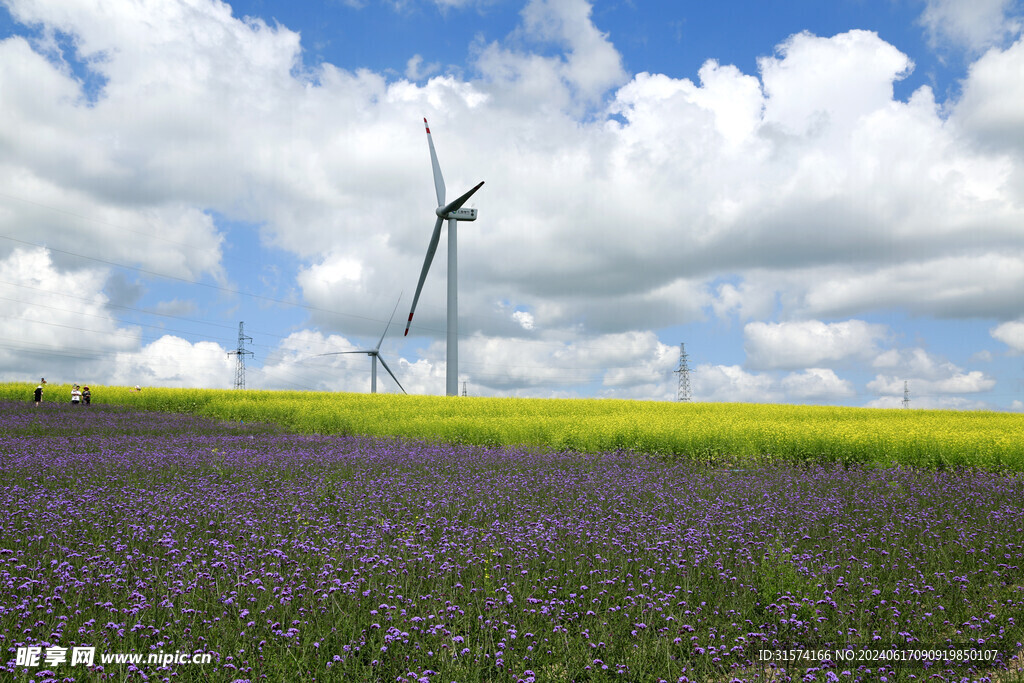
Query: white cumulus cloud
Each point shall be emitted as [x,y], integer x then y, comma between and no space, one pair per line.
[1011,334]
[731,383]
[816,383]
[972,25]
[811,343]
[926,376]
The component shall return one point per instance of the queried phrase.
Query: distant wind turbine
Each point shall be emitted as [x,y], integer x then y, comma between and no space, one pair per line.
[453,212]
[375,354]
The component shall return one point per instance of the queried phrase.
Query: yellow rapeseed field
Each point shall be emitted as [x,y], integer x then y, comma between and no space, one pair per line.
[709,431]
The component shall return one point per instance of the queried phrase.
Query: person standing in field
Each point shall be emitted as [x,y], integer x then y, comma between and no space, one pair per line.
[38,393]
[86,395]
[76,395]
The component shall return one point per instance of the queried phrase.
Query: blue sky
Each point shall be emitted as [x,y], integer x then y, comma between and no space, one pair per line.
[822,200]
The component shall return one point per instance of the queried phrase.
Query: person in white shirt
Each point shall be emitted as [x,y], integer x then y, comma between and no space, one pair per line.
[76,396]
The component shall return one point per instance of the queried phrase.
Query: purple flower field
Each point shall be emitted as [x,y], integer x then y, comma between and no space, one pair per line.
[306,558]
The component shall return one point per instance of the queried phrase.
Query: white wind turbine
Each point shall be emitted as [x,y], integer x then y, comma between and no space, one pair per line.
[453,212]
[375,354]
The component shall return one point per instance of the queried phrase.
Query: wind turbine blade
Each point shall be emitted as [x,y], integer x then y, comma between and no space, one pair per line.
[457,204]
[438,179]
[392,375]
[431,248]
[389,322]
[338,353]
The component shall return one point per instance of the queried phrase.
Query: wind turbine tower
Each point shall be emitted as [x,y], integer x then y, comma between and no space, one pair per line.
[683,393]
[453,213]
[240,353]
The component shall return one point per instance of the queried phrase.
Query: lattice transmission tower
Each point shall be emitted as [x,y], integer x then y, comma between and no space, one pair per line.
[240,353]
[464,389]
[906,394]
[683,394]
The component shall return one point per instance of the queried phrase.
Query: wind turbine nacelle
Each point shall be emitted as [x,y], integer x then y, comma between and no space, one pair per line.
[462,215]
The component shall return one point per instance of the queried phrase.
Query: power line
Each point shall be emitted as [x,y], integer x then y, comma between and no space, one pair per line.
[587,372]
[270,299]
[60,351]
[191,282]
[118,227]
[121,321]
[584,373]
